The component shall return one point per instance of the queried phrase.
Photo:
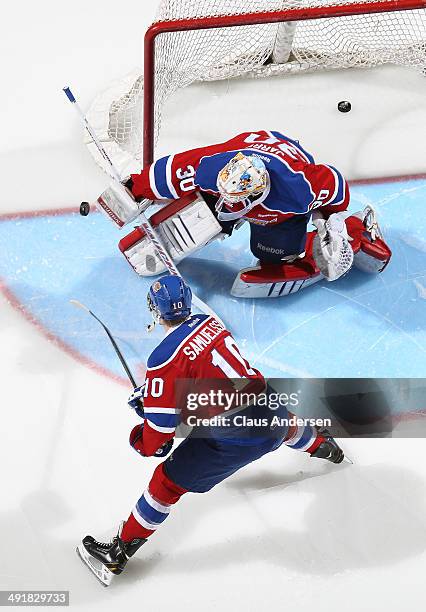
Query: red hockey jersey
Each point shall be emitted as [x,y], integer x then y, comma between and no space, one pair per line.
[199,348]
[297,184]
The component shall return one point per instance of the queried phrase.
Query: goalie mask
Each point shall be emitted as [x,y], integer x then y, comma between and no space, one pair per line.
[169,298]
[243,180]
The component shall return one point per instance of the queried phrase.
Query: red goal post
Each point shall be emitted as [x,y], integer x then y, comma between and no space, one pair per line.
[202,40]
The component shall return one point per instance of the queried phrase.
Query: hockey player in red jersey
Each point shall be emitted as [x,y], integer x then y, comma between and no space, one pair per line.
[273,183]
[194,347]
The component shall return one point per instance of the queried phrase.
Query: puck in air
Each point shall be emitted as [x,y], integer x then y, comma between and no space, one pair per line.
[344,106]
[84,209]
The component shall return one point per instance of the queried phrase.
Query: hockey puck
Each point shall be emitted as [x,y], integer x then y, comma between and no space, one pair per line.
[344,106]
[84,209]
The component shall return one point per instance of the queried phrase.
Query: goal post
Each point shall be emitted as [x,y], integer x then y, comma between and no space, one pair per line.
[204,40]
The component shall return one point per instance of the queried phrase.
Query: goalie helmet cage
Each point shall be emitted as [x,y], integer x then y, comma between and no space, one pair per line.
[205,40]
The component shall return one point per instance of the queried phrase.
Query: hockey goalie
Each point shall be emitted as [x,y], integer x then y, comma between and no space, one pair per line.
[269,181]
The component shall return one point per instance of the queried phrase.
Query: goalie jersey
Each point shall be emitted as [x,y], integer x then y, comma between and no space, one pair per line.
[200,348]
[297,184]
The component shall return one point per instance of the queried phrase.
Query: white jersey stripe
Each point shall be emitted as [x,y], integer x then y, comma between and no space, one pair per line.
[297,435]
[169,177]
[336,189]
[152,183]
[161,410]
[143,522]
[343,192]
[155,504]
[165,430]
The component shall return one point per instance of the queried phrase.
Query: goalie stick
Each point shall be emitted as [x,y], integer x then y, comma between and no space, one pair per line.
[143,220]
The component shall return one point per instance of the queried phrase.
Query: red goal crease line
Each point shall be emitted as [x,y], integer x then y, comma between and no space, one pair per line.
[17,305]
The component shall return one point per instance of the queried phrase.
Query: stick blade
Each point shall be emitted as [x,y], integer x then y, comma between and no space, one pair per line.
[101,572]
[78,304]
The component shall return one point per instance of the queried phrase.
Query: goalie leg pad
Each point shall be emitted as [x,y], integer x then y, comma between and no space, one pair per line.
[278,280]
[373,257]
[184,227]
[257,283]
[370,254]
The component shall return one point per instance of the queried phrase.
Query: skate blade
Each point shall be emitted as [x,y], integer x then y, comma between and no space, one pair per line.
[101,572]
[348,460]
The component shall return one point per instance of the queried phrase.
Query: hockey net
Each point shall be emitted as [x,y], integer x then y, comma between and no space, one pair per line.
[378,32]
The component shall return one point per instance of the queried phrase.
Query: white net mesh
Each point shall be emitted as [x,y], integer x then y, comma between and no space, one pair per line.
[260,50]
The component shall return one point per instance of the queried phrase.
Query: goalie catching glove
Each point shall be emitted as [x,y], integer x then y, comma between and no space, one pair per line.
[331,249]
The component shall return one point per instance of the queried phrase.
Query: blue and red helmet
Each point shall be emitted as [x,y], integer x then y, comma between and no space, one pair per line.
[169,298]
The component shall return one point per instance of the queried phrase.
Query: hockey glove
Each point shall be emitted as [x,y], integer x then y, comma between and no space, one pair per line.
[135,439]
[331,249]
[135,400]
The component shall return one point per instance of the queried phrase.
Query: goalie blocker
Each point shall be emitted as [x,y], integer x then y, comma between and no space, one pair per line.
[184,226]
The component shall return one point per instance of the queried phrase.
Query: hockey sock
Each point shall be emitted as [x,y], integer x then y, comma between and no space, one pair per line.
[153,507]
[303,437]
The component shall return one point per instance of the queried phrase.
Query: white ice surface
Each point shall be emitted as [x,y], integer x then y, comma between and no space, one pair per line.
[287,533]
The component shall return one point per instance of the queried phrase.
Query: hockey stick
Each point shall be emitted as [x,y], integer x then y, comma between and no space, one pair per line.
[113,342]
[159,247]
